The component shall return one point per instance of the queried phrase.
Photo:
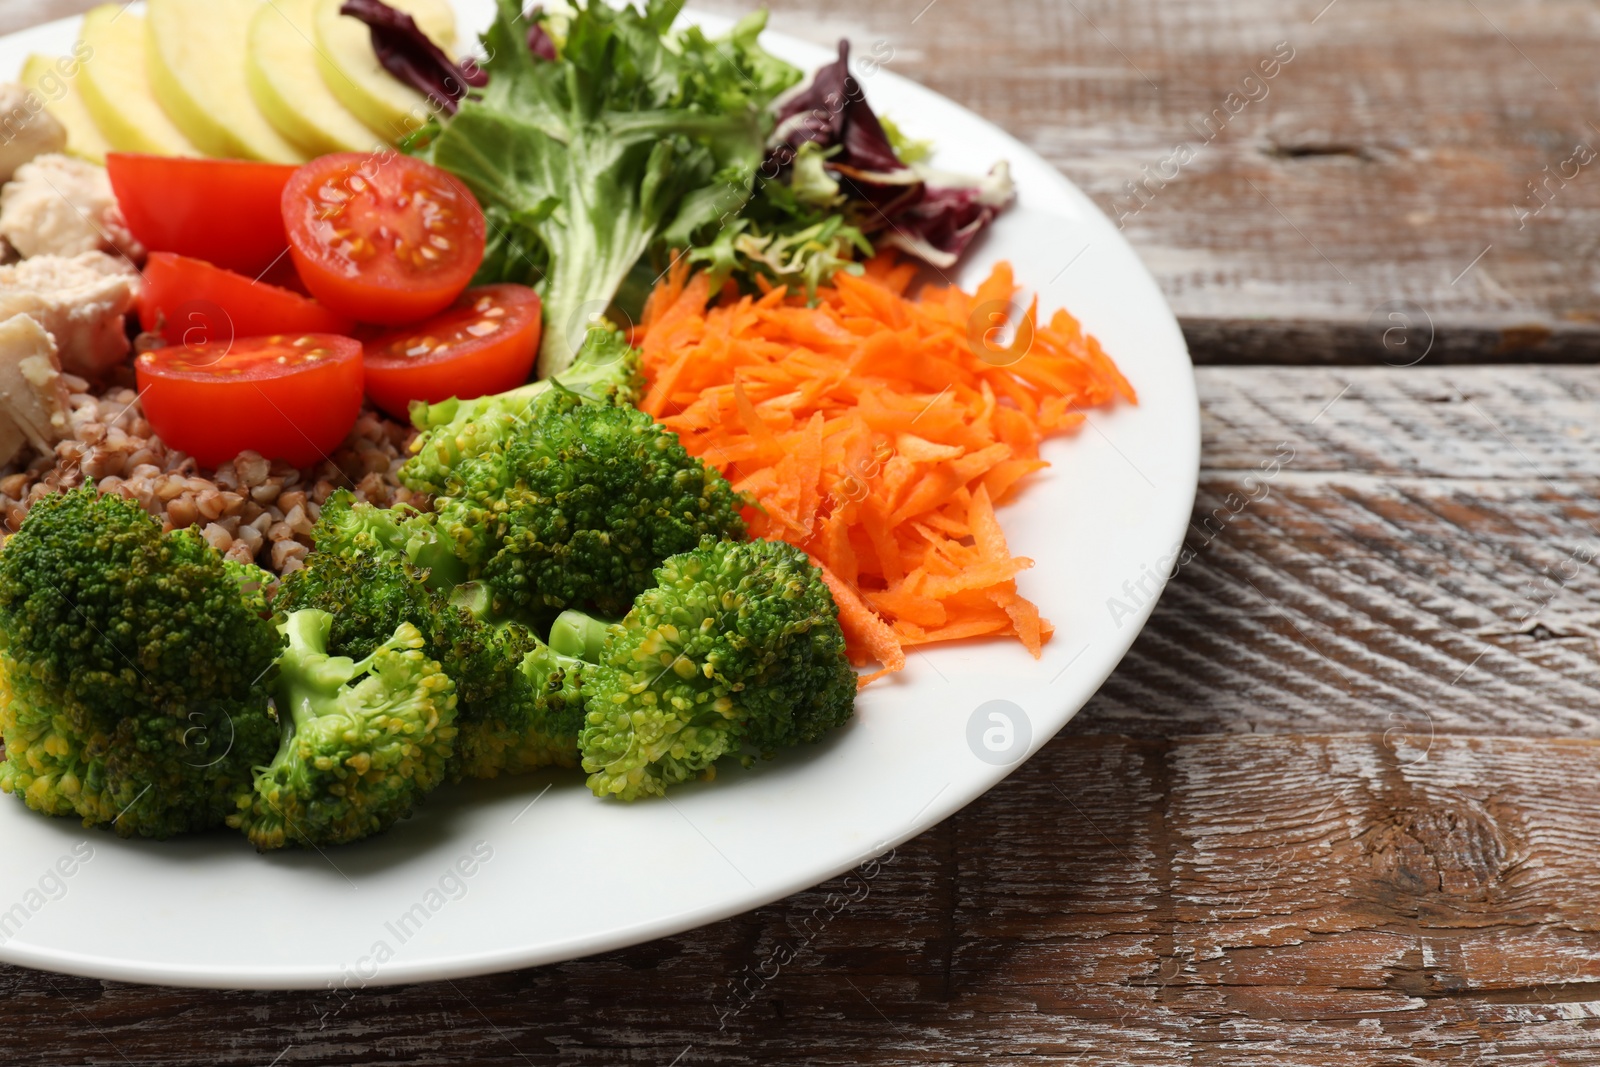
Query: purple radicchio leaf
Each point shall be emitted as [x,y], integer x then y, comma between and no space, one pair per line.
[833,110]
[407,53]
[540,43]
[934,220]
[938,226]
[473,74]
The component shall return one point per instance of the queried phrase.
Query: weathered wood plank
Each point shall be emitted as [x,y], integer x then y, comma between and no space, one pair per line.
[1501,422]
[1304,900]
[1341,602]
[1388,550]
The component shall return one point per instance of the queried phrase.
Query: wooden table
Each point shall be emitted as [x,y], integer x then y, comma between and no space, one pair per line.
[1340,804]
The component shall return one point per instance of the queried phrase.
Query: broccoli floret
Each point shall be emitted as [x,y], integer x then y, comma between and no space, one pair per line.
[534,722]
[579,509]
[560,494]
[606,371]
[738,644]
[545,735]
[137,669]
[501,710]
[348,527]
[254,584]
[363,742]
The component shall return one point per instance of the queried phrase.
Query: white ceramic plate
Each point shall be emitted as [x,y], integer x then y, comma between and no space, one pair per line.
[555,873]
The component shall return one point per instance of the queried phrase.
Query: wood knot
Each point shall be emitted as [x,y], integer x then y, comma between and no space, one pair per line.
[1453,848]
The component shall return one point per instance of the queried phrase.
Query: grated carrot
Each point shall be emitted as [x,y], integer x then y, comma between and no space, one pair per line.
[878,430]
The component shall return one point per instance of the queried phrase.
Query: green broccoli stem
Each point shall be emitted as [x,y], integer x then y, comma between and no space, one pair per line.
[361,741]
[476,600]
[579,636]
[309,678]
[554,676]
[444,568]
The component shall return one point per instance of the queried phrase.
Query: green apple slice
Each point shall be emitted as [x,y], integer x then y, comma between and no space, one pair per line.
[288,87]
[351,70]
[116,87]
[54,81]
[196,55]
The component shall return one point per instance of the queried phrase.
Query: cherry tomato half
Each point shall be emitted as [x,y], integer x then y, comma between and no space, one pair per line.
[382,238]
[224,211]
[189,302]
[484,343]
[292,398]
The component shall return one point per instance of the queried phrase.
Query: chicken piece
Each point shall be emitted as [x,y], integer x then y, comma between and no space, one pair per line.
[82,301]
[33,398]
[57,206]
[26,129]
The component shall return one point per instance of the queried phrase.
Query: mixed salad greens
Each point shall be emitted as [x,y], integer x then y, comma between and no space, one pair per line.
[628,143]
[578,590]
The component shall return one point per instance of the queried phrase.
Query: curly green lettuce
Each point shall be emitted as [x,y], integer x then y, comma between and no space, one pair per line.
[635,137]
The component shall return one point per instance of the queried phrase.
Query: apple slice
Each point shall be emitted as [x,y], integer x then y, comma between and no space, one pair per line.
[54,81]
[116,87]
[196,55]
[351,70]
[288,88]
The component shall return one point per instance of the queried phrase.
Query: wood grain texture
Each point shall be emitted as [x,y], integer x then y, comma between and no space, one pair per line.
[1290,900]
[1422,559]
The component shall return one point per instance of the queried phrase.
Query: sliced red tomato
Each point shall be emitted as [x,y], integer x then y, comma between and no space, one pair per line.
[382,238]
[284,276]
[292,398]
[484,343]
[225,211]
[190,302]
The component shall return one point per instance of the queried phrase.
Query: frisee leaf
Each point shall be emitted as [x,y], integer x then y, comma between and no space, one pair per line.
[633,138]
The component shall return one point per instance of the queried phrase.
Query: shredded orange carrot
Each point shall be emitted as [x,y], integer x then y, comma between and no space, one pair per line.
[866,635]
[878,430]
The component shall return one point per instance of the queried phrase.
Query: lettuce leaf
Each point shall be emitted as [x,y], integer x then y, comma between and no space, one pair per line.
[633,138]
